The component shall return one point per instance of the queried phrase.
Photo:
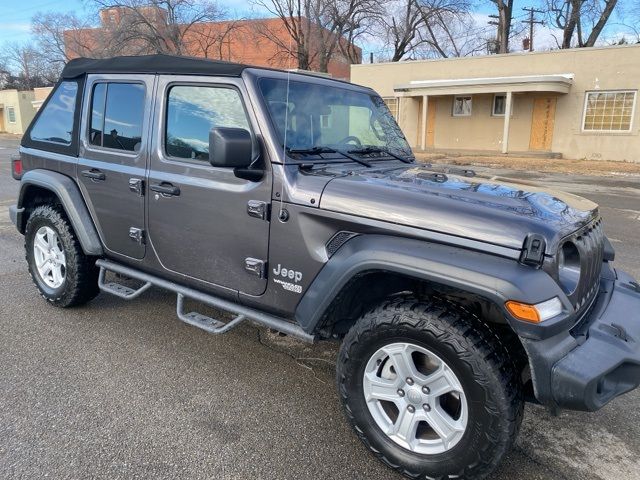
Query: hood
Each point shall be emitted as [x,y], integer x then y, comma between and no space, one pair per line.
[495,210]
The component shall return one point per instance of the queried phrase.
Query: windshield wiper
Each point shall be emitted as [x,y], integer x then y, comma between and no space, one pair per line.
[366,150]
[319,150]
[311,150]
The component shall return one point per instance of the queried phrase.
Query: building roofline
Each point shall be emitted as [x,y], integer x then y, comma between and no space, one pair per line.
[500,55]
[565,78]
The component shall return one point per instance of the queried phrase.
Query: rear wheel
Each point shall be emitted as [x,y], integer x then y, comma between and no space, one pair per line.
[430,391]
[62,272]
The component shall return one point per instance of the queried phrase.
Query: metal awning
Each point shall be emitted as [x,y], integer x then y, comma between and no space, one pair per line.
[558,83]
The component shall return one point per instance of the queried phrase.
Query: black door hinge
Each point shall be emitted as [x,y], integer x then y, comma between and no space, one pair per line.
[256,266]
[533,250]
[137,234]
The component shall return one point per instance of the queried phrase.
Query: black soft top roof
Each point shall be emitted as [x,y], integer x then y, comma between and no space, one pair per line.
[152,64]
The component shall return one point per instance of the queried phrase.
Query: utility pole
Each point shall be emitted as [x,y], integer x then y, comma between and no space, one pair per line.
[495,48]
[532,21]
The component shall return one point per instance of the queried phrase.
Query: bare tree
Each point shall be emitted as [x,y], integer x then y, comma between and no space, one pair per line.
[503,23]
[453,34]
[431,28]
[27,68]
[60,37]
[295,16]
[336,20]
[213,40]
[318,29]
[156,26]
[401,28]
[581,21]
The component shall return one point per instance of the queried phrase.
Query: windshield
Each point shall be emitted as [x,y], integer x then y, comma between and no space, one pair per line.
[330,117]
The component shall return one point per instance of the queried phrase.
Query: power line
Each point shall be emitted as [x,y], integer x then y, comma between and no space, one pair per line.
[532,21]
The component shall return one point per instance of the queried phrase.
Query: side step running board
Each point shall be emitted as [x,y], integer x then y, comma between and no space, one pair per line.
[207,324]
[119,290]
[196,319]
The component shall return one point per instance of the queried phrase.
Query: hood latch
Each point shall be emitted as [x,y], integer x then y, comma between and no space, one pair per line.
[533,250]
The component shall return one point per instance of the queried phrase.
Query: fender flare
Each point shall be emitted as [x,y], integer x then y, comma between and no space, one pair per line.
[71,199]
[495,278]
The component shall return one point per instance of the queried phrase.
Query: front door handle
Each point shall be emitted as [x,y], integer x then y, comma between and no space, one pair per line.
[94,174]
[165,188]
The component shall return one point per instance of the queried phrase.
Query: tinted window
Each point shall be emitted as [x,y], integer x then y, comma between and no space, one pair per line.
[192,111]
[117,111]
[97,113]
[55,123]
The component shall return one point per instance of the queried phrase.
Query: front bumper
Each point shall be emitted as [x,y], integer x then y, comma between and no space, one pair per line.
[599,358]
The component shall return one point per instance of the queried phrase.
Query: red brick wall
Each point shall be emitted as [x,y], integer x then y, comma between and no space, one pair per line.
[236,41]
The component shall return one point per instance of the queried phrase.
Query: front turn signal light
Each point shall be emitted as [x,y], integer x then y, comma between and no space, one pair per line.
[523,311]
[536,313]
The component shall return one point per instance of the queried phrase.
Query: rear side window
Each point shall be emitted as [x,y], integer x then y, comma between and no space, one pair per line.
[55,122]
[192,111]
[117,112]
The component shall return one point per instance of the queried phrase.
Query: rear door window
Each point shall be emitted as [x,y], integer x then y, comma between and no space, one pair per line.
[117,113]
[55,123]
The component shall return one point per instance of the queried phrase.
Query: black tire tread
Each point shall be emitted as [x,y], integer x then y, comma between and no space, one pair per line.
[82,273]
[466,333]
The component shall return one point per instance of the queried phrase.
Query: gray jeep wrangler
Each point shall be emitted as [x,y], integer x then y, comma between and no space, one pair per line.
[295,202]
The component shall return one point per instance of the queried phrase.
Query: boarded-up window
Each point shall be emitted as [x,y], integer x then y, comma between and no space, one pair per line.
[392,105]
[609,111]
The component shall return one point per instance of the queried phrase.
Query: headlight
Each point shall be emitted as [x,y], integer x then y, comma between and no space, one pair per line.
[569,267]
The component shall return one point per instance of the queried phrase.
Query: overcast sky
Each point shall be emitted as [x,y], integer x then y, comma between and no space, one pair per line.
[15,19]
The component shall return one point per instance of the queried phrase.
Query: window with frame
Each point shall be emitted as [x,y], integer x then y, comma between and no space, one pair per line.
[192,111]
[499,105]
[117,113]
[55,122]
[392,105]
[325,121]
[11,114]
[610,111]
[462,105]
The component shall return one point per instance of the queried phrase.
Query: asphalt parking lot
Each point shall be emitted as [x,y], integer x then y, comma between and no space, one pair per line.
[121,389]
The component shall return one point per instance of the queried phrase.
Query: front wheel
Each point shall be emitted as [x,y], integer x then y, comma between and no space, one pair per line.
[62,272]
[429,389]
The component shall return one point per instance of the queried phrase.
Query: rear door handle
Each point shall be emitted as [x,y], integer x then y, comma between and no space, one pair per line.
[165,189]
[94,174]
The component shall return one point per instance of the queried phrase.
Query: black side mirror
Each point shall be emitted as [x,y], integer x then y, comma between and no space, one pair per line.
[230,147]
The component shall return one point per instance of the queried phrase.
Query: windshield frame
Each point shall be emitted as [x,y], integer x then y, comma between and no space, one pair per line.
[253,76]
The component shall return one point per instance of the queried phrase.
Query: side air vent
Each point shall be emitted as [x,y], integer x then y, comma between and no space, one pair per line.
[337,241]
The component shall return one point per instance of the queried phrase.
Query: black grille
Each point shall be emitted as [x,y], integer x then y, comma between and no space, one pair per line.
[590,244]
[337,241]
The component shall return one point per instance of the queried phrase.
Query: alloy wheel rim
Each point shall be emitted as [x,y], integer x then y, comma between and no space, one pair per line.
[415,398]
[49,257]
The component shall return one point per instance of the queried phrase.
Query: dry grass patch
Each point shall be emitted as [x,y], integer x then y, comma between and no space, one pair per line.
[559,165]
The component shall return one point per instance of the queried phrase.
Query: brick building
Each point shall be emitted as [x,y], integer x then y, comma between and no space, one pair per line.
[261,42]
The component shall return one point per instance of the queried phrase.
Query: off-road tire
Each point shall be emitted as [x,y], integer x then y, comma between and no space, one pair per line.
[477,357]
[81,277]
